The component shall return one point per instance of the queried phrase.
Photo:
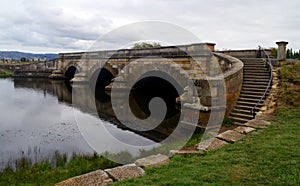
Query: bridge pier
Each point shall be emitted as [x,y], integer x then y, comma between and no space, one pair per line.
[196,62]
[57,74]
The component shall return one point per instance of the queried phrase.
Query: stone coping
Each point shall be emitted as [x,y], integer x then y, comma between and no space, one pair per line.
[237,65]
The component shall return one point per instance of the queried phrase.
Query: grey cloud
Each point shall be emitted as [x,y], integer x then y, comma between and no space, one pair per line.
[73,25]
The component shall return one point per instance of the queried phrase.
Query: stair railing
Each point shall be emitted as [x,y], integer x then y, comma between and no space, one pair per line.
[269,63]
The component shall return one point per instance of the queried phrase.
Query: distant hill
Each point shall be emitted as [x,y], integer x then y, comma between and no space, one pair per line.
[18,55]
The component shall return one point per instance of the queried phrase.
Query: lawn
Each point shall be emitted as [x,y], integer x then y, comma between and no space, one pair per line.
[266,157]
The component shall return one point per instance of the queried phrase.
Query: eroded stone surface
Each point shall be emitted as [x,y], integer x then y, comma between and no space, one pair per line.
[244,130]
[211,144]
[125,172]
[99,178]
[153,161]
[230,136]
[185,153]
[256,123]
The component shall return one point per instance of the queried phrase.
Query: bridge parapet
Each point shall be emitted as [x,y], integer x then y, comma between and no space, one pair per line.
[206,69]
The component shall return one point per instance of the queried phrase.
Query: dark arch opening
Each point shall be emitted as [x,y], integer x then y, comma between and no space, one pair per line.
[99,80]
[102,77]
[156,84]
[70,73]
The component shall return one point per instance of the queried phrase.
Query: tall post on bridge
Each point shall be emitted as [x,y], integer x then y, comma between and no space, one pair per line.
[281,52]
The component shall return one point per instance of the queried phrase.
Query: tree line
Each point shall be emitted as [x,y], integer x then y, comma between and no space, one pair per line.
[290,54]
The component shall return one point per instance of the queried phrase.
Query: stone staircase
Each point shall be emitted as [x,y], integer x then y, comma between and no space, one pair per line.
[256,79]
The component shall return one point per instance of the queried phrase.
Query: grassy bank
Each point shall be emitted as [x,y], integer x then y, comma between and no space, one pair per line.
[5,73]
[266,157]
[47,173]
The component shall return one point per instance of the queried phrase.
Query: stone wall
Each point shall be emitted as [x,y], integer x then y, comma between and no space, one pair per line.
[246,53]
[233,81]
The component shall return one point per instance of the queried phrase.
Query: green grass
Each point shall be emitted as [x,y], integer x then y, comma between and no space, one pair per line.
[4,73]
[265,157]
[45,173]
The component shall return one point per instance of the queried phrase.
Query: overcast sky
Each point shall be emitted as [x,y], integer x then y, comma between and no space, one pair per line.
[62,26]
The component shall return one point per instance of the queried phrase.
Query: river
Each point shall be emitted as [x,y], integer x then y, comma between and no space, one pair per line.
[37,118]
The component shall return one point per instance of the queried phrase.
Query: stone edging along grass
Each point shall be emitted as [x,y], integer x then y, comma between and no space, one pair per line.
[108,176]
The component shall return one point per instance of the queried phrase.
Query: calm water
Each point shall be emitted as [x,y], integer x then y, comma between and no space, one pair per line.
[38,115]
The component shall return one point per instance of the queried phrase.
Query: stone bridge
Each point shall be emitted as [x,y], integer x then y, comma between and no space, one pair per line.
[241,78]
[209,72]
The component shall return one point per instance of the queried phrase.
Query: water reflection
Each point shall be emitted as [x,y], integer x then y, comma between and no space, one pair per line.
[39,113]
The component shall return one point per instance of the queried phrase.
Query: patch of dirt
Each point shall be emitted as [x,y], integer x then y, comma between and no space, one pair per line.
[224,128]
[188,148]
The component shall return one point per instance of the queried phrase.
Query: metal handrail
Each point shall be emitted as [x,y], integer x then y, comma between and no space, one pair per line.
[269,84]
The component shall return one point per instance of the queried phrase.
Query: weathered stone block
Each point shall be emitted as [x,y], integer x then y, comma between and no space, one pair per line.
[230,136]
[244,130]
[125,172]
[185,153]
[153,161]
[98,177]
[211,144]
[257,123]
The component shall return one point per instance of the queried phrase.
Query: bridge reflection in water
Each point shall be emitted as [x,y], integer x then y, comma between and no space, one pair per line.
[101,100]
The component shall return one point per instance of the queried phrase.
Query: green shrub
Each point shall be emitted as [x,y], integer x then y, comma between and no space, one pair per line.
[228,122]
[291,73]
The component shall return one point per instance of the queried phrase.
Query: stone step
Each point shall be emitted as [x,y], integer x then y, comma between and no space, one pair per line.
[263,87]
[255,62]
[256,73]
[245,107]
[253,89]
[260,64]
[263,83]
[252,59]
[251,96]
[247,76]
[242,116]
[260,79]
[255,65]
[248,99]
[242,111]
[257,70]
[238,120]
[251,104]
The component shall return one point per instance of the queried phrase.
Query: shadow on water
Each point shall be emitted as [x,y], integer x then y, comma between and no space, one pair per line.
[143,92]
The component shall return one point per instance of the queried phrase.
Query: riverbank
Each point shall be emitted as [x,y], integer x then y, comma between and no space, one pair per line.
[4,73]
[268,156]
[53,170]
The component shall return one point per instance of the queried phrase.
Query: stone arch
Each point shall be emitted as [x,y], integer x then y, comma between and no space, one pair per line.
[98,66]
[100,76]
[74,64]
